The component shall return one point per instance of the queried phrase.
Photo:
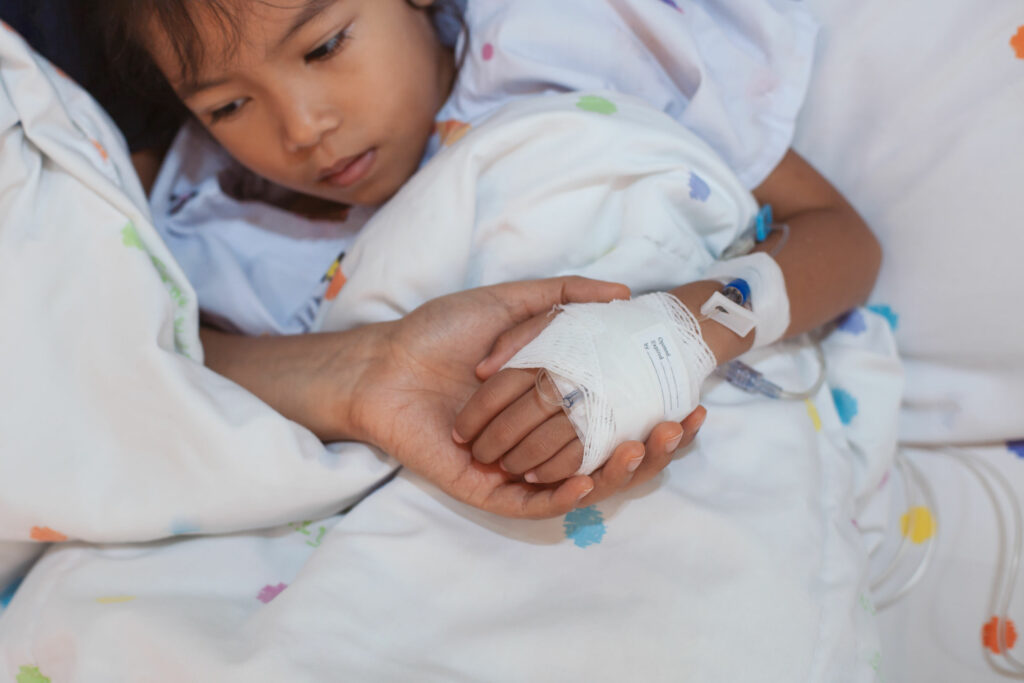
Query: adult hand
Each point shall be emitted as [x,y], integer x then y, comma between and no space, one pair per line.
[407,397]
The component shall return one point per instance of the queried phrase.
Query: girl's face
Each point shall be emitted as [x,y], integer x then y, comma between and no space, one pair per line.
[331,98]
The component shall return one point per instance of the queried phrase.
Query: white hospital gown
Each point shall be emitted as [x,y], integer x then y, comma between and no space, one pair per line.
[733,71]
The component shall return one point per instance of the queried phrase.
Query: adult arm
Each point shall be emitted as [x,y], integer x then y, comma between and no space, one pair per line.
[398,386]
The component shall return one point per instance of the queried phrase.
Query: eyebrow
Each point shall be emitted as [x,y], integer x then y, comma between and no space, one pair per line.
[310,11]
[187,90]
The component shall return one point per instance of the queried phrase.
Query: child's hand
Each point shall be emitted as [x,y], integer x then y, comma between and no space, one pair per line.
[509,422]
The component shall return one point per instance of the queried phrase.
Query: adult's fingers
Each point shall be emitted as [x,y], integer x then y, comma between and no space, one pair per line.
[527,298]
[531,298]
[510,342]
[664,441]
[617,473]
[516,499]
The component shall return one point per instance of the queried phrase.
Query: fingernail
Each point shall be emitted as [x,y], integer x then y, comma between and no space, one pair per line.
[457,438]
[673,443]
[531,477]
[635,463]
[586,492]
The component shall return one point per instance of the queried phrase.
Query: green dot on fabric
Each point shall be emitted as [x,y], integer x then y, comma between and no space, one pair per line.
[30,674]
[598,105]
[130,237]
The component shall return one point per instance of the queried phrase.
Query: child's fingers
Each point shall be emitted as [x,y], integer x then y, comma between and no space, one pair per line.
[564,464]
[512,425]
[540,445]
[489,400]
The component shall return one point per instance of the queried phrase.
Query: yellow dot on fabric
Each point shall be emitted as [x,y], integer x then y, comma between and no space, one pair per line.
[918,524]
[812,411]
[115,599]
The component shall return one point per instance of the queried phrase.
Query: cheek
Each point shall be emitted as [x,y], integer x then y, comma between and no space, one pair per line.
[254,147]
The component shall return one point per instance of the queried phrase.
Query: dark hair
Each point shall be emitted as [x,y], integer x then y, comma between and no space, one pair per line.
[123,25]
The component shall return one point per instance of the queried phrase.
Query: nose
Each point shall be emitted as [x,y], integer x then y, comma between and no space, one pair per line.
[305,122]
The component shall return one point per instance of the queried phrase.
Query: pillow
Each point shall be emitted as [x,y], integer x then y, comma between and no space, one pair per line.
[915,113]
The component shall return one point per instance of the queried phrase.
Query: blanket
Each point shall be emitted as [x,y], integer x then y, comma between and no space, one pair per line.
[191,525]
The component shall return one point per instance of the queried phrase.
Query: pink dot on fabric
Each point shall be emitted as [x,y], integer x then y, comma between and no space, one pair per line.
[270,592]
[488,52]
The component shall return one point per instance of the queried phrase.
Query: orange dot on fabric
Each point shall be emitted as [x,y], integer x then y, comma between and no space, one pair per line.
[1017,42]
[990,634]
[451,131]
[101,150]
[45,534]
[337,283]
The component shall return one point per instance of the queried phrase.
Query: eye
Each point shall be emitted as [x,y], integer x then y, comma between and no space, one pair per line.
[328,49]
[227,110]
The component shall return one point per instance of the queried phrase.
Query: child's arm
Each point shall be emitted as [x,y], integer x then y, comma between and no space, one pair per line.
[830,262]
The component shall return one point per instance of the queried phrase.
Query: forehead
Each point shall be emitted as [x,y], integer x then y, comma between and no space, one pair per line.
[190,37]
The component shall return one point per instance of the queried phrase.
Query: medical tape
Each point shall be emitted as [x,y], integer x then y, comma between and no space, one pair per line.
[622,368]
[769,299]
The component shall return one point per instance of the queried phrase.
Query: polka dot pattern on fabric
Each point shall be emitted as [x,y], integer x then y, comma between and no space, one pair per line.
[699,188]
[8,593]
[853,322]
[673,5]
[887,313]
[918,524]
[1016,447]
[488,52]
[846,405]
[990,634]
[115,599]
[812,412]
[31,674]
[184,527]
[451,131]
[270,592]
[45,534]
[1017,43]
[585,526]
[597,105]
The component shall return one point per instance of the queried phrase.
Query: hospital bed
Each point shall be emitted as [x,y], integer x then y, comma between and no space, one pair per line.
[914,113]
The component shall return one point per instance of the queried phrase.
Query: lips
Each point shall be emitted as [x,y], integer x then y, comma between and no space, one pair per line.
[349,170]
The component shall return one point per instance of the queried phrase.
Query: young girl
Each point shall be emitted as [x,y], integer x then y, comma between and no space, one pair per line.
[343,100]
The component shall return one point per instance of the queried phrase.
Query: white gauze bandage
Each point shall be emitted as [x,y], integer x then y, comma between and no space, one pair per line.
[622,368]
[769,299]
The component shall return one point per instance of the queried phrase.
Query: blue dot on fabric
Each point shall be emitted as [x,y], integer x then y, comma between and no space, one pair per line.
[887,313]
[853,322]
[1016,447]
[182,527]
[584,526]
[699,189]
[8,594]
[846,405]
[671,3]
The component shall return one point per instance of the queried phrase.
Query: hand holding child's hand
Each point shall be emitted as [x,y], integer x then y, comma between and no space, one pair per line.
[509,422]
